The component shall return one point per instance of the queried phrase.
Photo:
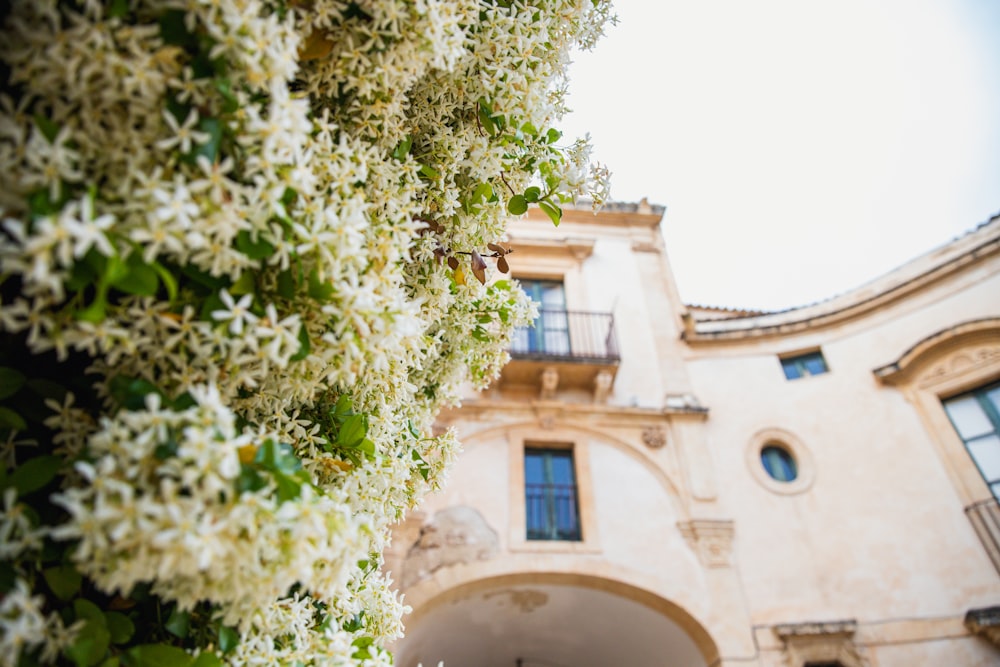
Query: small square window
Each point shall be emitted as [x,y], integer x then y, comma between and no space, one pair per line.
[550,503]
[804,365]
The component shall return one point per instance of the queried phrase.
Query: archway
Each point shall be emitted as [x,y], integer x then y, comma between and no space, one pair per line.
[552,620]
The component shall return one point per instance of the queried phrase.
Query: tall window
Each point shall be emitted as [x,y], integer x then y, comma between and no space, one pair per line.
[551,509]
[550,333]
[976,417]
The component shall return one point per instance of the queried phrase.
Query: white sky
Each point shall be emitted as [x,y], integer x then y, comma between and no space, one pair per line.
[801,147]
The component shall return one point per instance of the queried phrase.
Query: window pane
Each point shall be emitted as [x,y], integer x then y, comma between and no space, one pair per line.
[791,369]
[557,342]
[993,396]
[778,463]
[553,295]
[534,468]
[815,364]
[562,469]
[986,453]
[968,417]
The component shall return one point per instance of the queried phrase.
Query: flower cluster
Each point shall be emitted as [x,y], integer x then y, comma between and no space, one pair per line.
[235,290]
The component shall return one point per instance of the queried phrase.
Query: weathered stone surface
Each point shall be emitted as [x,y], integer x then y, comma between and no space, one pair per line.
[454,535]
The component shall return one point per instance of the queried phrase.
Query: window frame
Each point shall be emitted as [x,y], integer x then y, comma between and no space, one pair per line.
[795,365]
[552,531]
[992,413]
[521,438]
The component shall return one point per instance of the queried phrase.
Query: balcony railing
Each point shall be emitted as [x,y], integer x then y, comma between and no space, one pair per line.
[570,335]
[551,512]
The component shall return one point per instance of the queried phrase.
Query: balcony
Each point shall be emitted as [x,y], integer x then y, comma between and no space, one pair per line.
[566,349]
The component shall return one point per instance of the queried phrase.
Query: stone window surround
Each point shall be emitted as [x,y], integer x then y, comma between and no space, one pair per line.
[948,363]
[521,439]
[805,466]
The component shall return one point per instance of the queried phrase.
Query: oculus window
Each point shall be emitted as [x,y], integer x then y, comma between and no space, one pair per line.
[779,463]
[976,418]
[804,365]
[551,509]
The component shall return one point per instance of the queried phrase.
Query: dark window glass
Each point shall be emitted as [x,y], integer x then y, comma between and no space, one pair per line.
[550,333]
[976,418]
[778,463]
[551,510]
[804,365]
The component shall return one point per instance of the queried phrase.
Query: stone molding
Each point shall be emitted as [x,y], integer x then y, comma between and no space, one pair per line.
[711,539]
[985,622]
[820,641]
[654,437]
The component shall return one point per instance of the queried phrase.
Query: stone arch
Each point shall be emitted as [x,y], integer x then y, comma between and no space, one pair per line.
[559,427]
[484,581]
[954,351]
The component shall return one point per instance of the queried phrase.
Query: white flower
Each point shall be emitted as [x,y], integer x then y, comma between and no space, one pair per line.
[184,134]
[237,313]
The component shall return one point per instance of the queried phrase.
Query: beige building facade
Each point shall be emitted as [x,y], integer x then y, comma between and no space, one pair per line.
[651,483]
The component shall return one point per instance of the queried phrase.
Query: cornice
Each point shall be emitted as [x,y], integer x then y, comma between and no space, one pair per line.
[905,281]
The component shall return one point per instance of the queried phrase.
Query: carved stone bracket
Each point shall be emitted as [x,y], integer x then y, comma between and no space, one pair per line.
[984,622]
[711,539]
[602,386]
[654,437]
[550,383]
[821,642]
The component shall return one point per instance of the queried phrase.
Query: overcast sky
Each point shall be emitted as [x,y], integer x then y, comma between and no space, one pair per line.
[801,147]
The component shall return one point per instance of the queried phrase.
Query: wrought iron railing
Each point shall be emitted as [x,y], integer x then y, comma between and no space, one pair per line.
[551,512]
[568,334]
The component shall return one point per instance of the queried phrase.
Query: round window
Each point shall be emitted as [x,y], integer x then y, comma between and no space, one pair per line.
[779,463]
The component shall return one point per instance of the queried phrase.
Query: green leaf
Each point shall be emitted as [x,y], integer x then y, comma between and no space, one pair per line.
[553,135]
[353,431]
[210,149]
[96,311]
[402,148]
[245,284]
[551,210]
[305,347]
[47,389]
[63,580]
[207,659]
[532,194]
[343,409]
[120,627]
[179,623]
[174,31]
[321,290]
[482,193]
[517,205]
[211,304]
[48,127]
[286,284]
[91,643]
[249,480]
[367,446]
[129,392]
[414,431]
[118,9]
[157,655]
[168,280]
[11,381]
[34,473]
[137,278]
[428,171]
[258,249]
[228,639]
[88,610]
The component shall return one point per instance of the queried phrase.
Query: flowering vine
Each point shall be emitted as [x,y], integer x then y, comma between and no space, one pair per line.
[233,255]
